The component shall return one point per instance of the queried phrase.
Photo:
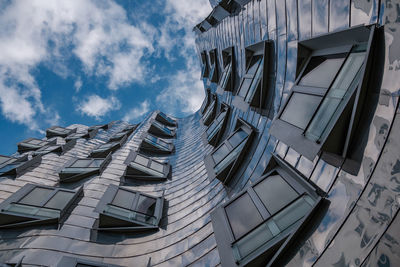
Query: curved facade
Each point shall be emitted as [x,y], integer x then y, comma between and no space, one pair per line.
[356,220]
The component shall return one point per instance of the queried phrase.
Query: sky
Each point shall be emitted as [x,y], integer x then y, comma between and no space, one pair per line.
[81,61]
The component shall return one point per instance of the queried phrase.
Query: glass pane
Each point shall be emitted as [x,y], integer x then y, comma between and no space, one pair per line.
[36,196]
[254,84]
[255,61]
[118,212]
[21,209]
[275,193]
[228,159]
[243,215]
[124,199]
[238,137]
[4,159]
[300,109]
[96,163]
[244,87]
[220,153]
[79,170]
[157,166]
[146,169]
[34,141]
[292,213]
[81,163]
[146,205]
[141,160]
[9,167]
[47,213]
[336,95]
[59,200]
[321,70]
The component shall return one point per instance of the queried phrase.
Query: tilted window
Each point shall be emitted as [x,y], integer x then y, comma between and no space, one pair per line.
[151,143]
[211,110]
[36,204]
[90,133]
[164,119]
[102,150]
[254,90]
[204,68]
[227,80]
[77,169]
[224,160]
[214,71]
[67,261]
[325,103]
[159,129]
[122,209]
[31,144]
[55,131]
[206,101]
[144,168]
[10,166]
[55,148]
[215,131]
[255,226]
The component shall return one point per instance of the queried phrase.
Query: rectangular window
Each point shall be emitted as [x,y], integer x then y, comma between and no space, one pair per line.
[216,129]
[33,144]
[161,130]
[144,168]
[227,80]
[78,169]
[209,114]
[151,143]
[55,131]
[163,118]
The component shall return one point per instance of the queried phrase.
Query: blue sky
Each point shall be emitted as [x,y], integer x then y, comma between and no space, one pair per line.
[82,61]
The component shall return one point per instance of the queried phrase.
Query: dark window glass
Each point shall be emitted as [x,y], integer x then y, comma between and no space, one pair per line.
[36,196]
[300,109]
[244,87]
[275,193]
[85,265]
[81,163]
[124,199]
[9,167]
[59,200]
[220,153]
[243,215]
[237,138]
[255,61]
[146,205]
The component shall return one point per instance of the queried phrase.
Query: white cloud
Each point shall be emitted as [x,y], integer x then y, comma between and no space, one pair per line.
[97,107]
[137,112]
[78,84]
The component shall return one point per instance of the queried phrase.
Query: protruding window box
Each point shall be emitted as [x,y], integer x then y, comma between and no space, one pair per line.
[36,205]
[57,131]
[164,119]
[122,209]
[10,166]
[103,150]
[31,144]
[211,110]
[77,169]
[206,101]
[215,131]
[324,107]
[254,90]
[214,72]
[101,126]
[67,261]
[205,70]
[119,136]
[224,160]
[141,167]
[259,225]
[53,148]
[86,135]
[160,130]
[228,77]
[153,144]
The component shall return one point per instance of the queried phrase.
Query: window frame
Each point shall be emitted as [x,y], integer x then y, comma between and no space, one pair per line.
[228,68]
[147,146]
[24,146]
[206,101]
[25,163]
[232,167]
[334,144]
[214,141]
[60,149]
[36,220]
[262,96]
[165,119]
[97,152]
[69,177]
[146,177]
[211,110]
[214,66]
[155,130]
[224,234]
[68,261]
[109,196]
[88,135]
[51,132]
[205,70]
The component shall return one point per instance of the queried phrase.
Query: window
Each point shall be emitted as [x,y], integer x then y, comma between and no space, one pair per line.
[325,103]
[55,131]
[214,72]
[224,160]
[55,148]
[164,119]
[77,169]
[214,132]
[209,115]
[10,166]
[227,80]
[206,101]
[205,68]
[142,167]
[67,261]
[90,133]
[34,204]
[101,151]
[253,226]
[161,130]
[253,90]
[151,143]
[122,209]
[31,144]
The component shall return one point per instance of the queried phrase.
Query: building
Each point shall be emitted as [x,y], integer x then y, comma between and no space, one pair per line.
[293,158]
